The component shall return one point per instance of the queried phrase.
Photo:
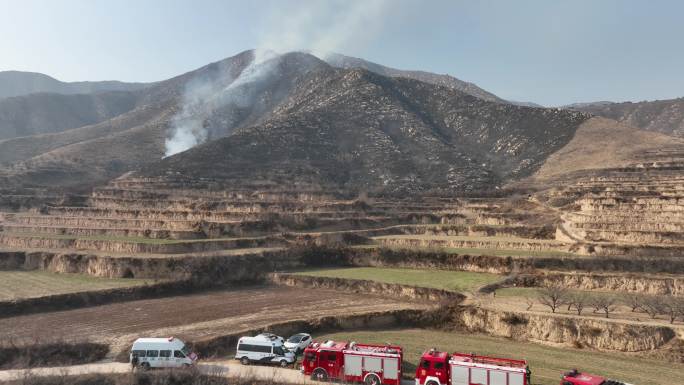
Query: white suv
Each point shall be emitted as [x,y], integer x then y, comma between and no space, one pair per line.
[298,342]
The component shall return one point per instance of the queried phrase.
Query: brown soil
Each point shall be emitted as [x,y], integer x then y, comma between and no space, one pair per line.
[192,317]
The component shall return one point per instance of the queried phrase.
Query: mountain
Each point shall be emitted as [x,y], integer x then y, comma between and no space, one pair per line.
[295,119]
[354,129]
[47,113]
[664,116]
[18,83]
[348,62]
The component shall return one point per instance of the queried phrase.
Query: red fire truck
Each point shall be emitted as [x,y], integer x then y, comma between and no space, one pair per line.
[575,377]
[352,362]
[440,368]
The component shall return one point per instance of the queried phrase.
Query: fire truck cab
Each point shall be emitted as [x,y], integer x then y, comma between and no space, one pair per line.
[575,377]
[352,362]
[440,368]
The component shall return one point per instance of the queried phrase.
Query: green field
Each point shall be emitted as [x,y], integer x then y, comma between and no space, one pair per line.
[546,362]
[438,279]
[30,284]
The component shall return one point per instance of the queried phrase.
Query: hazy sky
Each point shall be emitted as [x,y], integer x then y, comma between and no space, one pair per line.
[546,51]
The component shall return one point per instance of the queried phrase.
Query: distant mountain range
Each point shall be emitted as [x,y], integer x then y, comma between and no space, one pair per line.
[17,83]
[352,125]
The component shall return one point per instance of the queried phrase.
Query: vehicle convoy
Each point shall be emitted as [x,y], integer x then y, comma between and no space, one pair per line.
[298,342]
[169,352]
[352,362]
[441,368]
[264,348]
[575,377]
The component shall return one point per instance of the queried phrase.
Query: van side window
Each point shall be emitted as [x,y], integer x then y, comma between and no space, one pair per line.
[264,349]
[425,364]
[138,353]
[178,354]
[165,353]
[153,353]
[278,351]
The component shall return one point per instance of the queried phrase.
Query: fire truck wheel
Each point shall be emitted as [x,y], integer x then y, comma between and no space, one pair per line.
[372,379]
[431,383]
[244,361]
[319,375]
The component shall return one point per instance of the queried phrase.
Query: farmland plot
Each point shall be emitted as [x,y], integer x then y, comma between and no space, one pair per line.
[30,284]
[192,317]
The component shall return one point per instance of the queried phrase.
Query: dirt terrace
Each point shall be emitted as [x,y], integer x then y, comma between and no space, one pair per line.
[192,317]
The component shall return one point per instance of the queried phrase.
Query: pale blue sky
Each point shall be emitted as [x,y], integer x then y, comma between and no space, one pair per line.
[546,51]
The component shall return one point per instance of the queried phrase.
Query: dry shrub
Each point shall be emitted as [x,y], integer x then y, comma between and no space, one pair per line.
[56,353]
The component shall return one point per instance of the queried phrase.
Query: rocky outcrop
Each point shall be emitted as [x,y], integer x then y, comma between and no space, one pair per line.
[412,293]
[597,334]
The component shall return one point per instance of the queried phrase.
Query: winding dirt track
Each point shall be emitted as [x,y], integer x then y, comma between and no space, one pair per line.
[191,317]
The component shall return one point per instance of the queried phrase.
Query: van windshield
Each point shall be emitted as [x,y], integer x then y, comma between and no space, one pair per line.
[185,350]
[278,350]
[295,339]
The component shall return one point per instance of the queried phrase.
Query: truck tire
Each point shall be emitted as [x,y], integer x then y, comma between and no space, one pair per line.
[431,383]
[145,366]
[319,375]
[244,361]
[372,379]
[283,364]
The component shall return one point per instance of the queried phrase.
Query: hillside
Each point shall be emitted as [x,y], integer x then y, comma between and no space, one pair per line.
[18,83]
[601,143]
[342,61]
[302,120]
[664,116]
[43,113]
[354,129]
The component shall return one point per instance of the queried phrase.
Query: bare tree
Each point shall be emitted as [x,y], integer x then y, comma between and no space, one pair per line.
[652,305]
[579,301]
[604,303]
[672,306]
[530,301]
[553,297]
[633,300]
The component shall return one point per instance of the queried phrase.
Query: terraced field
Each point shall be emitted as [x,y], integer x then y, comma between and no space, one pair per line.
[30,284]
[546,362]
[191,317]
[459,281]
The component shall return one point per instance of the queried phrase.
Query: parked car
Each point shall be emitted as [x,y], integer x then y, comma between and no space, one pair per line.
[298,342]
[272,337]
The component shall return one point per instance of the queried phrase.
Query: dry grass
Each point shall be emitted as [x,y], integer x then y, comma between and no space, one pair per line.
[31,284]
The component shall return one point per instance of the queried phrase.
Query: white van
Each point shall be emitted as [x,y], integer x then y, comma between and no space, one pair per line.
[161,353]
[264,349]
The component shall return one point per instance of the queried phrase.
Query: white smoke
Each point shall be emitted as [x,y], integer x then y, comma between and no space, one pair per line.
[321,27]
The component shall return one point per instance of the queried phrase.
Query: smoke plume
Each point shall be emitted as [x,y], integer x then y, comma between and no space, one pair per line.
[321,27]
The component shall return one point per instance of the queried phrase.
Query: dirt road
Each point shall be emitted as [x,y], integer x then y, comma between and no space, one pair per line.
[224,368]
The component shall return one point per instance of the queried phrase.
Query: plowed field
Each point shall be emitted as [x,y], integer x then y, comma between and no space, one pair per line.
[191,316]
